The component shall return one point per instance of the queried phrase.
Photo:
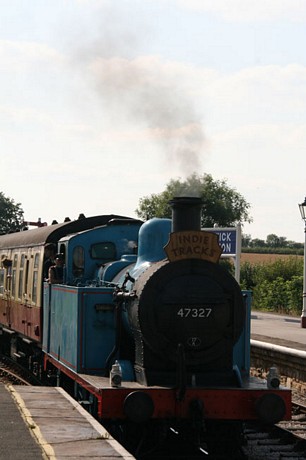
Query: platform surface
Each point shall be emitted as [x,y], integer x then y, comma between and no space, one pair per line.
[278,329]
[46,423]
[16,440]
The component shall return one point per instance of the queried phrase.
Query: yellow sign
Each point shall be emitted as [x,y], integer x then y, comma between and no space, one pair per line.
[193,245]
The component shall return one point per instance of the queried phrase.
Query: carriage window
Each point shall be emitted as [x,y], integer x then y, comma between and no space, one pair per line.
[105,251]
[26,276]
[14,275]
[21,276]
[36,261]
[35,278]
[78,261]
[9,277]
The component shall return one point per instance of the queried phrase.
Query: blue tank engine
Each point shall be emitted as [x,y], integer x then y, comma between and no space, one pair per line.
[147,327]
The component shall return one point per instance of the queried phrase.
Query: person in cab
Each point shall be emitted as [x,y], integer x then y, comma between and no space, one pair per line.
[49,255]
[56,271]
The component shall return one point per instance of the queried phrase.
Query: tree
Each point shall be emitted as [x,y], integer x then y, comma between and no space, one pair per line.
[11,215]
[283,242]
[273,241]
[258,243]
[222,205]
[246,240]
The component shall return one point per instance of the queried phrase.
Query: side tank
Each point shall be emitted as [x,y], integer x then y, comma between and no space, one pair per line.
[80,319]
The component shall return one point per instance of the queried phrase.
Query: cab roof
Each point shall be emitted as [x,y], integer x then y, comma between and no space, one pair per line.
[52,233]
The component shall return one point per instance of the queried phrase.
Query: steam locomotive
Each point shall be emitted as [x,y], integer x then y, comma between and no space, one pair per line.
[147,328]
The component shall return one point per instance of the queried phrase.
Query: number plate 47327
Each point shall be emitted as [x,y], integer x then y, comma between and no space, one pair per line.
[186,312]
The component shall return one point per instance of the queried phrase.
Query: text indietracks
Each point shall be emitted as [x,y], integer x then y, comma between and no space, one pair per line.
[193,245]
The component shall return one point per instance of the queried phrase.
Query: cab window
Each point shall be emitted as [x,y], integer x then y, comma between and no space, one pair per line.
[105,251]
[78,262]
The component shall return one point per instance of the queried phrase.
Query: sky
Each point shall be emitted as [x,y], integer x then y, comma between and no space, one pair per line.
[103,102]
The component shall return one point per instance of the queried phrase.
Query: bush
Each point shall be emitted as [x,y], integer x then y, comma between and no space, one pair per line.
[276,286]
[248,275]
[295,294]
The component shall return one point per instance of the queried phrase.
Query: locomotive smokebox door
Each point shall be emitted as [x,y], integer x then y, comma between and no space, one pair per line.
[190,302]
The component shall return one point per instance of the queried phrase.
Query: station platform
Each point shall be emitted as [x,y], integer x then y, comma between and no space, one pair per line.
[46,423]
[278,329]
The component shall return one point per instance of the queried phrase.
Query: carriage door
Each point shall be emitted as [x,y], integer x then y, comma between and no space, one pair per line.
[3,296]
[22,316]
[27,296]
[5,290]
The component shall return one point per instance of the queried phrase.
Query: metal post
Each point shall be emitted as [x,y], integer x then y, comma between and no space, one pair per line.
[303,316]
[302,208]
[238,253]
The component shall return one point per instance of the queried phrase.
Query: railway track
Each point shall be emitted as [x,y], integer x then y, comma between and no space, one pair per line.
[13,373]
[286,440]
[272,443]
[259,443]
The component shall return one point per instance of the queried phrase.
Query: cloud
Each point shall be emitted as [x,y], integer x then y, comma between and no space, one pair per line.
[16,54]
[32,74]
[250,10]
[12,118]
[277,139]
[268,94]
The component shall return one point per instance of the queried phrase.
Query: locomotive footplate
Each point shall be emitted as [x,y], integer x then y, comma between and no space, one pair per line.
[254,400]
[222,403]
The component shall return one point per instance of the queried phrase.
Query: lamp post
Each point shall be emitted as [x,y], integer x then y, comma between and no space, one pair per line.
[302,207]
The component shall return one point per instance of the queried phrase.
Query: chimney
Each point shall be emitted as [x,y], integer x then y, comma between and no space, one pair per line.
[186,213]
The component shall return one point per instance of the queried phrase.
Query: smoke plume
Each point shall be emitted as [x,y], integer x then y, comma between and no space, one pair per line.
[146,90]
